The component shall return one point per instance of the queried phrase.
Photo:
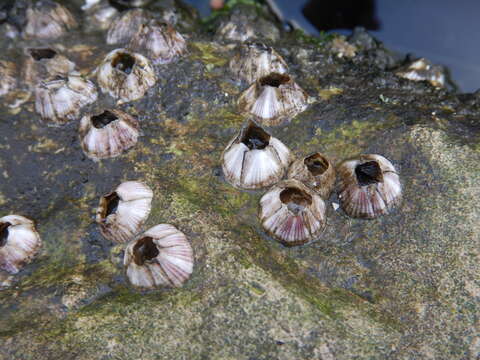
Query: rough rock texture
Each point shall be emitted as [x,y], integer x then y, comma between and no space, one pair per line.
[404,286]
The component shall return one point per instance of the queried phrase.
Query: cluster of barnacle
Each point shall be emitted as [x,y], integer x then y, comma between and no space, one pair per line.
[161,255]
[293,211]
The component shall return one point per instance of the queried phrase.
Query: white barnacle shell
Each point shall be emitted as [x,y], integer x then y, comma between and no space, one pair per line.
[8,79]
[255,60]
[60,100]
[292,213]
[46,19]
[100,13]
[254,159]
[19,242]
[123,28]
[273,99]
[368,186]
[315,171]
[423,70]
[122,212]
[236,31]
[107,134]
[44,64]
[125,75]
[161,256]
[158,41]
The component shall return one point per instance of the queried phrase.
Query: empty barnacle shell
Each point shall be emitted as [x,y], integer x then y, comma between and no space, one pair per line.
[122,212]
[8,78]
[126,26]
[255,60]
[161,256]
[19,242]
[160,42]
[315,171]
[125,75]
[43,64]
[46,19]
[60,100]
[368,186]
[423,70]
[292,213]
[107,134]
[254,159]
[273,99]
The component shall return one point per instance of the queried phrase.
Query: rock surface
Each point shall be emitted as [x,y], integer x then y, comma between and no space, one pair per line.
[404,286]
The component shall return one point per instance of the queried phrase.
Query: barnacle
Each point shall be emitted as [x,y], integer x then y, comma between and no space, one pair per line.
[62,99]
[122,212]
[8,79]
[315,171]
[125,75]
[255,60]
[19,242]
[273,99]
[123,28]
[161,256]
[368,186]
[108,134]
[47,19]
[254,159]
[423,70]
[158,41]
[292,213]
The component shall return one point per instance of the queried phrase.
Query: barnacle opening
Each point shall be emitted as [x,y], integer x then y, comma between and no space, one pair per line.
[368,173]
[274,80]
[255,137]
[144,250]
[109,204]
[40,54]
[4,233]
[295,199]
[103,119]
[316,164]
[124,62]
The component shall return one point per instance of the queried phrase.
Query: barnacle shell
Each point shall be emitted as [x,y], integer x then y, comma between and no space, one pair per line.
[423,70]
[161,256]
[8,79]
[254,159]
[126,26]
[122,212]
[158,41]
[368,186]
[273,99]
[19,242]
[47,19]
[107,134]
[255,60]
[315,171]
[292,213]
[44,64]
[60,100]
[125,75]
[100,13]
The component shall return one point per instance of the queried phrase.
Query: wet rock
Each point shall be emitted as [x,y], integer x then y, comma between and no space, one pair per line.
[402,286]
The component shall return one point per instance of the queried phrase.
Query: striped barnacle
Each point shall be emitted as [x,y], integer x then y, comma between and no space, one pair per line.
[315,171]
[60,100]
[158,41]
[19,242]
[126,26]
[107,134]
[122,212]
[369,186]
[100,13]
[46,19]
[8,79]
[254,159]
[273,99]
[125,75]
[255,60]
[44,64]
[161,256]
[423,70]
[292,213]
